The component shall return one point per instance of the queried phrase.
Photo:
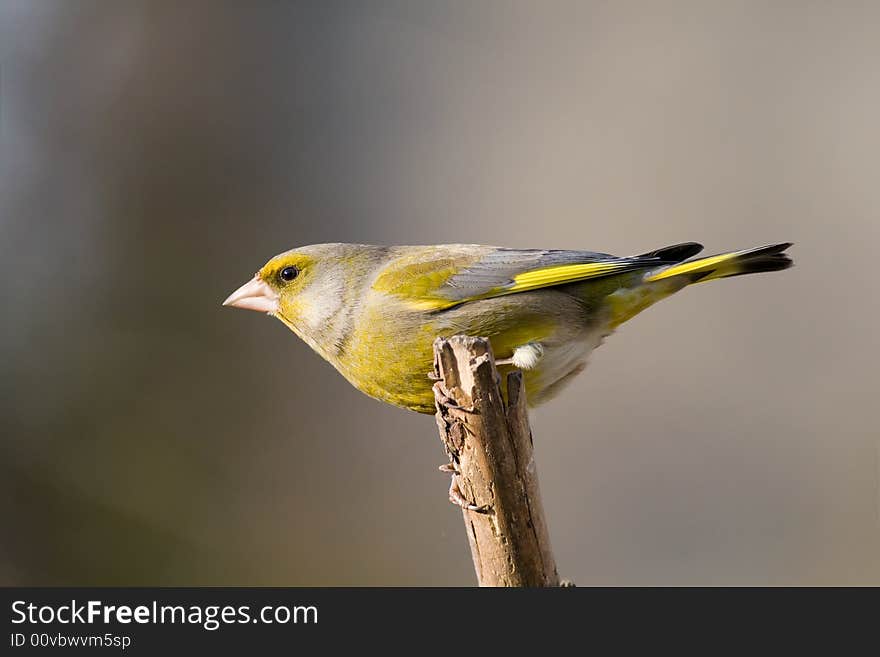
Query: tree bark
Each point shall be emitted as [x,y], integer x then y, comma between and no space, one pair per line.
[489,444]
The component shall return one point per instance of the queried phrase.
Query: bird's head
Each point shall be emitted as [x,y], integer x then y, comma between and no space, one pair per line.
[275,287]
[306,288]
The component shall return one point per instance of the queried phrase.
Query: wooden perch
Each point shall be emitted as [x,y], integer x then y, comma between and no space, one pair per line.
[489,444]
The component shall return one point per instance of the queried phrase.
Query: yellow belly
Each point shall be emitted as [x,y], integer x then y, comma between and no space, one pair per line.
[392,364]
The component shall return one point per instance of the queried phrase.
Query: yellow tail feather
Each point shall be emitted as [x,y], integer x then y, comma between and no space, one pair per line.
[735,263]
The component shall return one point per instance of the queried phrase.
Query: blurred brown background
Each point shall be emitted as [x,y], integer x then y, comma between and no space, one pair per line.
[154,154]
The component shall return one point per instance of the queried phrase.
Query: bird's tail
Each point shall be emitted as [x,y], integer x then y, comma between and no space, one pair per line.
[734,263]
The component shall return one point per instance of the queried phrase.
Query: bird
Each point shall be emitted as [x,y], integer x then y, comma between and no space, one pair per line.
[373,311]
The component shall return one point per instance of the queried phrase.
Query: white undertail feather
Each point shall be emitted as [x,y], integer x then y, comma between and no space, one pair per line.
[526,357]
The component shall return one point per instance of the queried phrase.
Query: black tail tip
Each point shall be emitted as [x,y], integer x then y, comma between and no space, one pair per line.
[775,262]
[768,258]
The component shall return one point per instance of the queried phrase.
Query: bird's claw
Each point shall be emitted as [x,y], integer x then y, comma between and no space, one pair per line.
[444,399]
[450,403]
[455,495]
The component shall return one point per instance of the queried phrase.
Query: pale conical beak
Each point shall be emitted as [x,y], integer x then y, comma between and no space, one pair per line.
[254,295]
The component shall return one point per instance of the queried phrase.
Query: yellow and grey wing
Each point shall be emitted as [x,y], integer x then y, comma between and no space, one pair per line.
[443,277]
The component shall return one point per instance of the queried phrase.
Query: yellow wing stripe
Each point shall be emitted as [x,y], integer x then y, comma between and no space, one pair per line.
[531,280]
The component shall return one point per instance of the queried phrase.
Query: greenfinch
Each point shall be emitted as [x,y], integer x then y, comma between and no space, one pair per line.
[373,312]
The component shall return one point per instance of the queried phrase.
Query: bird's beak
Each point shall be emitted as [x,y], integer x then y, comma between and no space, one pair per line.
[254,295]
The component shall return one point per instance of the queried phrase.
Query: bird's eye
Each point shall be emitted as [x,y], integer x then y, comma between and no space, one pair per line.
[288,274]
